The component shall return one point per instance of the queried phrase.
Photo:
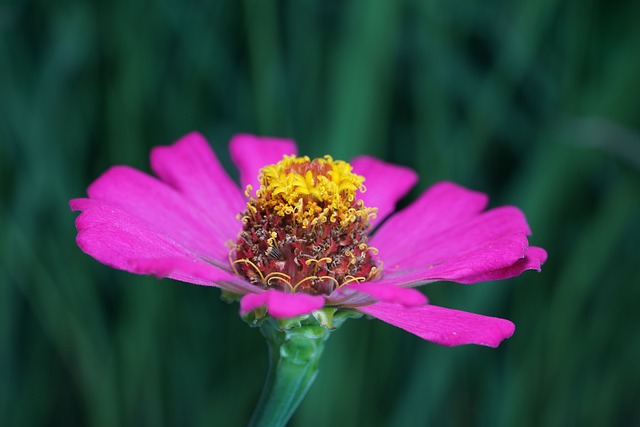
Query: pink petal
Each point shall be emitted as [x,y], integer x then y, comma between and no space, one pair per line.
[440,207]
[442,325]
[351,294]
[386,183]
[280,304]
[191,167]
[181,268]
[445,235]
[187,270]
[251,153]
[164,210]
[462,238]
[124,241]
[490,259]
[533,260]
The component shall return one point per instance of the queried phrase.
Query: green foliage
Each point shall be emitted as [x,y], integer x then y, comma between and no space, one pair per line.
[533,102]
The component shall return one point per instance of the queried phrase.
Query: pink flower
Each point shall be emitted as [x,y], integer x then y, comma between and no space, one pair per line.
[180,224]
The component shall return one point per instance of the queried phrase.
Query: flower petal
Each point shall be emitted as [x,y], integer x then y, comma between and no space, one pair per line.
[483,261]
[453,239]
[280,304]
[441,207]
[251,153]
[533,260]
[124,241]
[386,183]
[443,326]
[181,268]
[164,210]
[191,167]
[351,295]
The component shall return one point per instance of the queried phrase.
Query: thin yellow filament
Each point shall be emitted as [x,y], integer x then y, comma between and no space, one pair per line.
[271,277]
[330,278]
[246,261]
[352,279]
[303,280]
[317,261]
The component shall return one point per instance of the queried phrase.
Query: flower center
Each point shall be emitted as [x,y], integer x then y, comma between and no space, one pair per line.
[305,231]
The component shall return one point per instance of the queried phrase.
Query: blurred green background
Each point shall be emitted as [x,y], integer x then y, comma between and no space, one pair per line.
[536,103]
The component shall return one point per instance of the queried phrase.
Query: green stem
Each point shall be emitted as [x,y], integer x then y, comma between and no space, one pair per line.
[294,355]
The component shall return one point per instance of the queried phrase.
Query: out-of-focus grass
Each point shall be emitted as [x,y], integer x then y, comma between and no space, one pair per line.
[535,103]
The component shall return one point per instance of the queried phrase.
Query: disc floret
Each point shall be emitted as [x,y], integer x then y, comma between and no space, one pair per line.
[305,230]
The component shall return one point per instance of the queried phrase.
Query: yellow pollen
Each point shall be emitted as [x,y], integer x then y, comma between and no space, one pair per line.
[311,191]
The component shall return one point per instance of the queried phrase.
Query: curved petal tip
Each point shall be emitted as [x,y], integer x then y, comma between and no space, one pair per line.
[443,326]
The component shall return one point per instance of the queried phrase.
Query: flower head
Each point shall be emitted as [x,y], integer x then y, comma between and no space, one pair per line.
[302,240]
[305,231]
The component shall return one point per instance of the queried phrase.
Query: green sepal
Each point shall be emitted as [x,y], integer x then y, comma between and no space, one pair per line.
[328,318]
[255,317]
[229,297]
[344,314]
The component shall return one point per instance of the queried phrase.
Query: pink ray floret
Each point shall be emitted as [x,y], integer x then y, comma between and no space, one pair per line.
[178,225]
[280,304]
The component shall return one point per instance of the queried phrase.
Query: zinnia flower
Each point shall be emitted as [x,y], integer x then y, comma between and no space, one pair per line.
[298,236]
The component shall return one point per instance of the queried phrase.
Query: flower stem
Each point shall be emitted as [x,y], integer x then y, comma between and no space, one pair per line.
[294,355]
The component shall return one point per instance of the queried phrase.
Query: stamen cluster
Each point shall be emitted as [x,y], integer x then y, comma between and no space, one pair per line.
[304,231]
[312,191]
